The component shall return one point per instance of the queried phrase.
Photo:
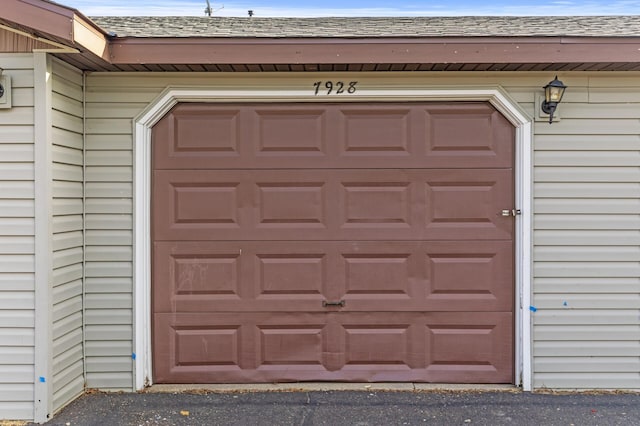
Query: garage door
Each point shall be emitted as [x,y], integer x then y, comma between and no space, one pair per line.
[344,242]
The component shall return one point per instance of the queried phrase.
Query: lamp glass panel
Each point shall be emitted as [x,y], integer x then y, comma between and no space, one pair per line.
[555,94]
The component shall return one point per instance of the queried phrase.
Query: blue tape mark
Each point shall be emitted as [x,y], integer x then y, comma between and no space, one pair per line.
[133,356]
[565,304]
[533,308]
[42,379]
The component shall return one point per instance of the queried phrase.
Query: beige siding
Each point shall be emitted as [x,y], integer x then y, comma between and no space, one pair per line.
[586,225]
[109,252]
[68,233]
[587,245]
[17,242]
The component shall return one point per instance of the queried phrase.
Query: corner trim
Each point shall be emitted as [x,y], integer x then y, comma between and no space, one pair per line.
[43,362]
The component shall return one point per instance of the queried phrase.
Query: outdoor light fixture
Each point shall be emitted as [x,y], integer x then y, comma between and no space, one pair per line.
[552,96]
[5,90]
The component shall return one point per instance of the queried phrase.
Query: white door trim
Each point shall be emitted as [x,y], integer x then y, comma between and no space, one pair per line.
[282,89]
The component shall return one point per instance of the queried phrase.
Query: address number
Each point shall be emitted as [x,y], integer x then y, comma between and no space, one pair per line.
[334,87]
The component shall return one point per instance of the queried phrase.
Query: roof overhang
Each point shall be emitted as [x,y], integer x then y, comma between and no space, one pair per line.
[59,25]
[79,41]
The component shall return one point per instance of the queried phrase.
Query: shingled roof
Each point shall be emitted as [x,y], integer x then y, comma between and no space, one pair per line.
[371,27]
[188,43]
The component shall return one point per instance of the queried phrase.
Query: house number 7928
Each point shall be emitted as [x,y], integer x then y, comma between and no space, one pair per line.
[334,87]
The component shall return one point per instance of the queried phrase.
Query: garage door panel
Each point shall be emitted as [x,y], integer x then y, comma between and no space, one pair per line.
[291,205]
[289,131]
[379,275]
[367,345]
[332,136]
[194,131]
[192,204]
[368,131]
[467,204]
[473,348]
[472,136]
[241,276]
[196,276]
[427,276]
[333,205]
[382,204]
[230,348]
[295,273]
[366,276]
[418,347]
[473,276]
[186,348]
[291,345]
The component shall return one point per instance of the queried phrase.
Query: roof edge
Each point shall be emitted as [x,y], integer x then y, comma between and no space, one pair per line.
[63,24]
[380,50]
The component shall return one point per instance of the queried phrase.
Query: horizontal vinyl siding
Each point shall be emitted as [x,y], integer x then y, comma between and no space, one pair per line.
[587,224]
[67,229]
[109,238]
[17,242]
[587,240]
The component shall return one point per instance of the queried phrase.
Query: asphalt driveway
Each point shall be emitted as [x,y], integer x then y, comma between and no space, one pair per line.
[359,408]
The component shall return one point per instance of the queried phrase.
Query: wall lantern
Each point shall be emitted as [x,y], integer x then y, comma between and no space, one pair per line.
[553,93]
[5,90]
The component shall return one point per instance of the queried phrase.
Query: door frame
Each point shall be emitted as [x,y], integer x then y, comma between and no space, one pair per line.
[282,87]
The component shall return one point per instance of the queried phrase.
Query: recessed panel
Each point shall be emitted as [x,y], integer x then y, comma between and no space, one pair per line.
[470,274]
[205,275]
[377,274]
[376,344]
[291,274]
[458,345]
[284,204]
[206,203]
[290,131]
[384,204]
[371,131]
[467,204]
[206,346]
[291,345]
[206,131]
[461,132]
[460,202]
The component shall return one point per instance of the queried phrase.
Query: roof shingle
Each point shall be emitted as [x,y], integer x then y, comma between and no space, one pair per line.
[372,27]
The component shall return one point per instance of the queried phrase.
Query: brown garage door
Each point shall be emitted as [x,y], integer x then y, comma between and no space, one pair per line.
[347,242]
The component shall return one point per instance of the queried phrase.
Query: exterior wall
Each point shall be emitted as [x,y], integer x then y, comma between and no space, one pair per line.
[109,238]
[17,252]
[586,199]
[67,233]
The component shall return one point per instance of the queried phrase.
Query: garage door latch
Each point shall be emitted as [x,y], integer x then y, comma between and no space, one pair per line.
[512,212]
[333,304]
